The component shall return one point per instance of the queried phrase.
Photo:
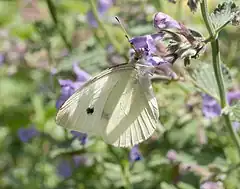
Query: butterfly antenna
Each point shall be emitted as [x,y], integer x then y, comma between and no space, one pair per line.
[126,35]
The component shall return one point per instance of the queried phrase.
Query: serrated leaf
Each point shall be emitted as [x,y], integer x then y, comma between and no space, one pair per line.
[204,78]
[225,13]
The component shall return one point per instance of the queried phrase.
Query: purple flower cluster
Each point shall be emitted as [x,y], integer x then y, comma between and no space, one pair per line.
[68,87]
[82,137]
[211,185]
[162,49]
[26,134]
[211,108]
[66,167]
[102,8]
[135,154]
[2,58]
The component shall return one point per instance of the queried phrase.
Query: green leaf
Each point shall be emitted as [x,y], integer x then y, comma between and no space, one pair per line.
[183,185]
[91,62]
[165,185]
[13,91]
[225,13]
[232,154]
[234,111]
[203,77]
[7,10]
[39,113]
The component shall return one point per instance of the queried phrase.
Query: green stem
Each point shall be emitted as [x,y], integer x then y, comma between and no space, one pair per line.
[124,169]
[53,13]
[179,10]
[206,18]
[218,72]
[101,25]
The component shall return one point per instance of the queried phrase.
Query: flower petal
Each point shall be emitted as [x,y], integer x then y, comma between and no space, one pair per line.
[81,75]
[210,107]
[26,134]
[233,95]
[82,137]
[163,21]
[64,169]
[135,154]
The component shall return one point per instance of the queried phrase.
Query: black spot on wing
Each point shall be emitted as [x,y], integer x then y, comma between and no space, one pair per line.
[90,110]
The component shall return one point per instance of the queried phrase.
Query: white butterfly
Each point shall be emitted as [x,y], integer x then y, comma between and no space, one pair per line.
[118,105]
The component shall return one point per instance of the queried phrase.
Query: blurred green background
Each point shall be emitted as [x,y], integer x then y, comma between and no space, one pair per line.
[39,42]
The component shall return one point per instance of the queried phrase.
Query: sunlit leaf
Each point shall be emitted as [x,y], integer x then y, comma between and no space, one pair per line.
[204,78]
[234,111]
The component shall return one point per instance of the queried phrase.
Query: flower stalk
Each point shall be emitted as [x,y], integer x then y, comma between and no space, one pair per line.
[53,13]
[101,25]
[124,169]
[216,61]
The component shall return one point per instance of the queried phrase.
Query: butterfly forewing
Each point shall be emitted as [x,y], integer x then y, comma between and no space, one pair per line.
[74,115]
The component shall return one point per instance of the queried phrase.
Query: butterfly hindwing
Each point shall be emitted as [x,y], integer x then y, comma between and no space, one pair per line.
[134,117]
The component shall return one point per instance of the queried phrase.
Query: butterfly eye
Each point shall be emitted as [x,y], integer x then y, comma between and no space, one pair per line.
[90,110]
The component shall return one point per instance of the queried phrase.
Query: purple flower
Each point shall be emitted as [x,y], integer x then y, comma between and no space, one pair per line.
[163,21]
[102,7]
[172,155]
[233,95]
[155,60]
[82,137]
[82,76]
[236,126]
[79,160]
[210,106]
[146,42]
[211,185]
[135,154]
[64,168]
[68,87]
[147,45]
[2,59]
[26,134]
[53,71]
